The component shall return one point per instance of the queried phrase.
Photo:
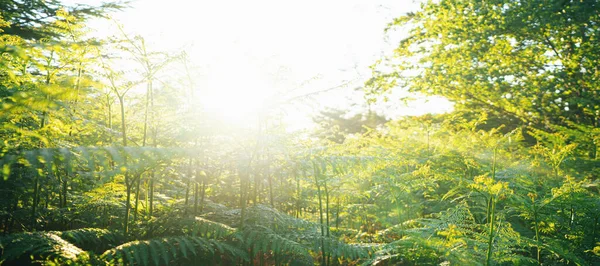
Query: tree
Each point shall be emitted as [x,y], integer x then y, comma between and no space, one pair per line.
[525,63]
[34,19]
[46,97]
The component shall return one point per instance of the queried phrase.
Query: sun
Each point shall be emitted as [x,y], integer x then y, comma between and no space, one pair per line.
[234,92]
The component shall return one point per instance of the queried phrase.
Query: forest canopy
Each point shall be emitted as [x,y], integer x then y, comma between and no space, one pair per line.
[110,155]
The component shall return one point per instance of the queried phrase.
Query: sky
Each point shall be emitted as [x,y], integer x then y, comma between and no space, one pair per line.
[251,52]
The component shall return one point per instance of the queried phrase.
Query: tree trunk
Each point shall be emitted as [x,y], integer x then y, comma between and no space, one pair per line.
[127,207]
[188,185]
[144,138]
[326,207]
[64,192]
[123,128]
[323,251]
[152,173]
[66,180]
[270,178]
[127,178]
[137,197]
[297,194]
[202,195]
[196,198]
[148,92]
[242,198]
[35,202]
[255,197]
[491,211]
[151,196]
[337,214]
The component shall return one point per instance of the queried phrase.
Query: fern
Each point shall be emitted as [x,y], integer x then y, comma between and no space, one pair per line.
[297,247]
[169,225]
[275,220]
[210,229]
[452,237]
[225,216]
[343,251]
[165,251]
[42,247]
[428,251]
[93,157]
[261,239]
[94,239]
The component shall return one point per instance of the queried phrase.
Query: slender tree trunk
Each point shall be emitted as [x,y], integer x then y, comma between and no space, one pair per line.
[297,194]
[128,186]
[323,251]
[35,202]
[187,194]
[47,193]
[146,198]
[66,180]
[151,196]
[60,182]
[78,82]
[148,92]
[188,185]
[270,179]
[64,192]
[196,198]
[328,257]
[337,214]
[491,210]
[242,198]
[123,128]
[152,172]
[109,116]
[144,138]
[203,195]
[491,232]
[127,208]
[137,197]
[36,182]
[326,207]
[128,182]
[111,162]
[255,192]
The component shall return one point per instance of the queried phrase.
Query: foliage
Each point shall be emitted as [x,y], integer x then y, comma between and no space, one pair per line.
[92,239]
[522,62]
[105,162]
[171,250]
[33,19]
[41,246]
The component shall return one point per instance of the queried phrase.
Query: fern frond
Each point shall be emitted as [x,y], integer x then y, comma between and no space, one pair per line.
[197,226]
[44,246]
[211,229]
[261,239]
[91,238]
[164,251]
[266,216]
[93,157]
[344,251]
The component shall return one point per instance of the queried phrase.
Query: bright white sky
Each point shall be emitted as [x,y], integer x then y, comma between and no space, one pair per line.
[248,51]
